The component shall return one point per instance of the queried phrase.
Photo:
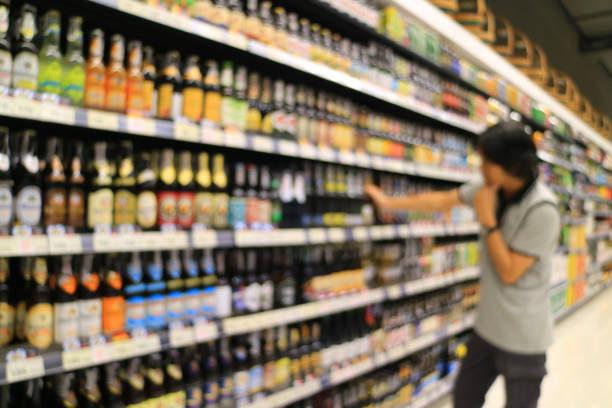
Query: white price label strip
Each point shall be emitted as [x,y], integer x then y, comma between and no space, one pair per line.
[212,136]
[32,245]
[65,244]
[336,235]
[235,138]
[140,126]
[122,349]
[204,239]
[73,360]
[205,331]
[360,233]
[263,144]
[347,157]
[26,108]
[187,131]
[287,148]
[317,235]
[102,120]
[25,369]
[308,151]
[7,246]
[58,114]
[181,336]
[147,344]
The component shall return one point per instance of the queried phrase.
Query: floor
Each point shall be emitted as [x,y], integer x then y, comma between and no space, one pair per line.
[579,362]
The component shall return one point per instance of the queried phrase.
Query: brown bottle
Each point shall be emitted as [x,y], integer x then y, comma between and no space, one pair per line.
[55,184]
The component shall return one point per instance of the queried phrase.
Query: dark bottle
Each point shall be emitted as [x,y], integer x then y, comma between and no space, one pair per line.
[175,389]
[315,348]
[154,379]
[304,351]
[90,297]
[185,199]
[167,196]
[7,304]
[112,384]
[62,391]
[279,127]
[6,170]
[156,289]
[28,199]
[208,301]
[124,197]
[113,302]
[6,59]
[39,311]
[22,289]
[169,97]
[192,376]
[269,361]
[266,285]
[76,188]
[290,128]
[193,284]
[88,388]
[293,353]
[238,273]
[226,375]
[193,89]
[309,262]
[220,197]
[224,290]
[134,376]
[240,354]
[149,90]
[255,364]
[63,283]
[175,305]
[252,214]
[134,290]
[252,293]
[212,95]
[203,199]
[100,197]
[146,200]
[264,198]
[266,106]
[210,375]
[25,61]
[55,187]
[301,110]
[253,97]
[237,203]
[285,279]
[282,370]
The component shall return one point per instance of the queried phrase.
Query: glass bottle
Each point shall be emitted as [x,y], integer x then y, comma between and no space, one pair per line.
[25,61]
[226,377]
[264,198]
[167,195]
[175,389]
[154,380]
[135,79]
[227,94]
[133,386]
[6,181]
[50,58]
[156,288]
[255,364]
[193,92]
[267,28]
[113,302]
[125,180]
[192,376]
[28,199]
[6,58]
[89,394]
[95,72]
[241,370]
[224,290]
[75,219]
[146,200]
[193,284]
[133,291]
[100,197]
[169,103]
[212,97]
[266,107]
[266,285]
[237,203]
[39,315]
[252,292]
[66,305]
[220,197]
[252,198]
[185,198]
[203,196]
[208,299]
[73,78]
[210,377]
[7,304]
[240,105]
[90,301]
[238,282]
[149,90]
[175,285]
[252,23]
[116,77]
[254,94]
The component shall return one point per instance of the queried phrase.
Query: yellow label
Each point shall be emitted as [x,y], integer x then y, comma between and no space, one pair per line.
[100,208]
[39,325]
[168,175]
[146,209]
[254,120]
[164,100]
[185,177]
[212,107]
[125,207]
[193,101]
[7,321]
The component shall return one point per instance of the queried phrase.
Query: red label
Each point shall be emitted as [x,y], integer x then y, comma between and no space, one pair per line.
[166,207]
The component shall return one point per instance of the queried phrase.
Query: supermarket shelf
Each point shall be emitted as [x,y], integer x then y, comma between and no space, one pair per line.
[567,311]
[167,240]
[579,195]
[603,214]
[439,390]
[484,56]
[600,235]
[239,41]
[567,220]
[53,362]
[191,132]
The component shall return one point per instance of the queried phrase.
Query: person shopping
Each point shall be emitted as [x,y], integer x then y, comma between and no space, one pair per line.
[520,228]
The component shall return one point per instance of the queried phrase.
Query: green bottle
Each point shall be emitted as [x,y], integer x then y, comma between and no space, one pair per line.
[50,58]
[73,80]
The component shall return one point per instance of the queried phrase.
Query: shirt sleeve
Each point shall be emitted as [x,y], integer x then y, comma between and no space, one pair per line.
[538,234]
[468,190]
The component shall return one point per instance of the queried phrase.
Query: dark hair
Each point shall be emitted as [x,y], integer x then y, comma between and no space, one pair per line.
[509,145]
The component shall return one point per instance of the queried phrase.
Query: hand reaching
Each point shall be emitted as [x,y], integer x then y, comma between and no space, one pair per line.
[378,197]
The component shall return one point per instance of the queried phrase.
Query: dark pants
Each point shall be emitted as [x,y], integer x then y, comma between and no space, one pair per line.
[523,374]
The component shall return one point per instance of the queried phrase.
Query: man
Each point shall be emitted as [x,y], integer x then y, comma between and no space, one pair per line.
[520,229]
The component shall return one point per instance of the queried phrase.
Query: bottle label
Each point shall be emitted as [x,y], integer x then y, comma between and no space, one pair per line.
[25,71]
[55,206]
[94,88]
[113,314]
[212,107]
[66,321]
[269,376]
[164,100]
[135,312]
[116,93]
[327,357]
[226,387]
[125,207]
[253,120]
[291,124]
[227,111]
[39,325]
[252,297]
[6,66]
[194,397]
[193,306]
[267,295]
[255,379]
[282,372]
[167,207]
[90,317]
[175,400]
[73,84]
[28,206]
[134,95]
[238,300]
[208,301]
[148,97]
[223,301]
[76,208]
[156,311]
[175,306]
[6,205]
[241,384]
[7,323]
[265,211]
[211,393]
[177,105]
[100,208]
[252,211]
[185,214]
[237,212]
[193,101]
[220,210]
[203,204]
[50,77]
[287,293]
[146,209]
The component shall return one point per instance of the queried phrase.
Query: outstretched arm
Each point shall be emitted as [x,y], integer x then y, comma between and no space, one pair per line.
[433,201]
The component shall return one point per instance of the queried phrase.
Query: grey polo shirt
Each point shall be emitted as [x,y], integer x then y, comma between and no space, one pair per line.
[517,317]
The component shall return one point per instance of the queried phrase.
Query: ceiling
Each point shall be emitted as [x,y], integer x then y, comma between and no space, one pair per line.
[576,36]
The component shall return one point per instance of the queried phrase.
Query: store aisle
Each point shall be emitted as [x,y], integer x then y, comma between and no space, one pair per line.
[578,362]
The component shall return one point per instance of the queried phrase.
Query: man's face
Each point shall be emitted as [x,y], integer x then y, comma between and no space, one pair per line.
[492,173]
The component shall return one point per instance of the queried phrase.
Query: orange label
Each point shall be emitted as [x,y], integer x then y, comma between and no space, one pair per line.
[193,100]
[113,279]
[113,314]
[164,100]
[39,325]
[212,107]
[148,90]
[135,100]
[68,284]
[91,282]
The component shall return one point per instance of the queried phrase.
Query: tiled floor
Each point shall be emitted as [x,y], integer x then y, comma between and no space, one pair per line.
[579,362]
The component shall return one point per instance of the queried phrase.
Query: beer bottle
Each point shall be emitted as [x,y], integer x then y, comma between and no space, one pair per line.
[220,13]
[226,377]
[6,59]
[238,282]
[113,302]
[23,284]
[50,58]
[269,361]
[236,19]
[169,103]
[185,198]
[266,107]
[116,77]
[88,388]
[267,19]
[192,375]
[100,197]
[25,62]
[293,353]
[311,112]
[241,370]
[167,196]
[62,392]
[210,365]
[253,23]
[253,96]
[301,111]
[290,127]
[252,293]
[220,196]
[280,24]
[202,10]
[73,71]
[252,212]
[133,290]
[264,202]
[255,364]
[156,289]
[223,290]
[278,110]
[28,200]
[193,282]
[203,195]
[315,349]
[227,94]
[154,380]
[146,200]
[113,382]
[212,97]
[266,285]
[311,255]
[175,306]
[39,315]
[76,188]
[135,79]
[285,280]
[237,203]
[208,300]
[125,180]
[240,106]
[282,369]
[193,92]
[305,40]
[90,302]
[149,91]
[175,390]
[6,178]
[63,283]
[276,208]
[7,304]
[95,72]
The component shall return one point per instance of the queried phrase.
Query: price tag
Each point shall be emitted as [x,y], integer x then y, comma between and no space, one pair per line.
[25,369]
[6,106]
[326,154]
[233,325]
[205,331]
[133,7]
[236,40]
[360,233]
[103,242]
[363,160]
[378,162]
[122,349]
[397,165]
[403,231]
[151,241]
[204,239]
[388,231]
[235,138]
[336,235]
[75,359]
[347,157]
[317,236]
[287,148]
[186,131]
[100,353]
[181,336]
[58,114]
[32,245]
[65,244]
[7,246]
[263,144]
[212,135]
[308,151]
[252,238]
[27,108]
[174,239]
[147,344]
[376,233]
[140,126]
[394,292]
[258,48]
[102,120]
